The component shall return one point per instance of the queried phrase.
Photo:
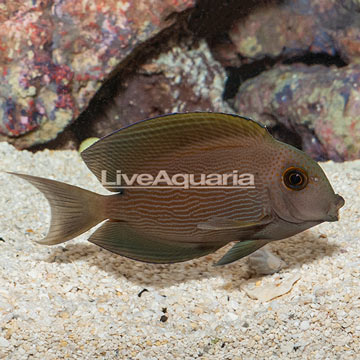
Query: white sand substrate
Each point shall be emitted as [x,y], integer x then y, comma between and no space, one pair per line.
[78,301]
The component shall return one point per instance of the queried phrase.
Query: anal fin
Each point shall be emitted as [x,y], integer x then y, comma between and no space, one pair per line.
[120,238]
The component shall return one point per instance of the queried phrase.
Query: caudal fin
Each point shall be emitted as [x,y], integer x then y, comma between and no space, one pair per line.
[73,210]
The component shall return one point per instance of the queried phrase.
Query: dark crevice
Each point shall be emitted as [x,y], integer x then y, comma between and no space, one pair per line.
[317,59]
[237,75]
[303,138]
[232,83]
[283,133]
[211,18]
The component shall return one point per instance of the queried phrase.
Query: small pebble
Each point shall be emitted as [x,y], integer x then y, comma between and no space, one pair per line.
[3,342]
[304,325]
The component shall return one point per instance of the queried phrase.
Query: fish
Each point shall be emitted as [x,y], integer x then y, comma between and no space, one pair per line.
[202,180]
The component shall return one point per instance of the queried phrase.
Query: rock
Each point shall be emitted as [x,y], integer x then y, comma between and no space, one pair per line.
[264,262]
[294,28]
[318,112]
[56,54]
[270,289]
[184,78]
[318,105]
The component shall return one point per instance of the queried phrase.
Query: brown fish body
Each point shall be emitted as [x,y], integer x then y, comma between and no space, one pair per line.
[170,224]
[177,212]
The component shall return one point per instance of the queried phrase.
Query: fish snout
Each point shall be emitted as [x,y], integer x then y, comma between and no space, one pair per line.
[339,201]
[333,213]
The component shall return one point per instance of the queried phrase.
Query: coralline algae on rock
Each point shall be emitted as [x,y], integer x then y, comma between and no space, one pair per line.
[54,55]
[320,104]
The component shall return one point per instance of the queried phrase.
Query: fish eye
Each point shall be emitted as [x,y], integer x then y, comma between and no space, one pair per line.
[295,178]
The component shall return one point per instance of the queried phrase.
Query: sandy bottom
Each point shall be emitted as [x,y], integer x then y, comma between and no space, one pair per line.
[78,301]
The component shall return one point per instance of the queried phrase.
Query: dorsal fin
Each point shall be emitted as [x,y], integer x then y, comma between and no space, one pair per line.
[146,145]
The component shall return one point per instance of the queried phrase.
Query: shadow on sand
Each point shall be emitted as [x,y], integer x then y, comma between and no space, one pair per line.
[301,249]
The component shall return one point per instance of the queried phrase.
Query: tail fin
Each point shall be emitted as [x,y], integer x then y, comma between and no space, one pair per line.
[73,210]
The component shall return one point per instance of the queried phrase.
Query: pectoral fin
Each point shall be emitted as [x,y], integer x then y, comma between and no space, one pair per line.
[217,223]
[240,250]
[120,238]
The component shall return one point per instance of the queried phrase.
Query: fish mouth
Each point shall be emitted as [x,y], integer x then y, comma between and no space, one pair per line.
[333,213]
[339,202]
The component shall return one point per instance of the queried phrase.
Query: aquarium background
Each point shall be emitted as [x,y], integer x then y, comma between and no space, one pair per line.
[71,70]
